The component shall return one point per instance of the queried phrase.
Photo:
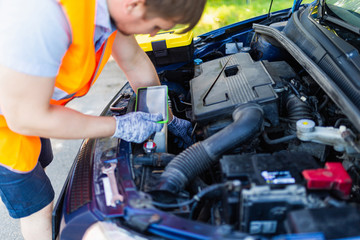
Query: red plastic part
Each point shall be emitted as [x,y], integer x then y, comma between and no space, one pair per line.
[333,176]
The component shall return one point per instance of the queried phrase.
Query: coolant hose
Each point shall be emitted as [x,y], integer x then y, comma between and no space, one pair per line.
[247,124]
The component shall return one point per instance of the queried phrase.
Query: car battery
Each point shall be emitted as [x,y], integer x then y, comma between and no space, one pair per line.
[168,47]
[273,171]
[279,168]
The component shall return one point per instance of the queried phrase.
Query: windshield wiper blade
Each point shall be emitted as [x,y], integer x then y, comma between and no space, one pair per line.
[341,23]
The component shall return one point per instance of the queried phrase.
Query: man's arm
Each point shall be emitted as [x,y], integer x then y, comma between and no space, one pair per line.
[24,101]
[136,65]
[141,72]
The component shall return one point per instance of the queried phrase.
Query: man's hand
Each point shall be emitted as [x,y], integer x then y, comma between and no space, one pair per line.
[182,129]
[137,126]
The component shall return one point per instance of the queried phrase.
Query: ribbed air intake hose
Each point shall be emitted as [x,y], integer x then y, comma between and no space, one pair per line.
[247,124]
[297,110]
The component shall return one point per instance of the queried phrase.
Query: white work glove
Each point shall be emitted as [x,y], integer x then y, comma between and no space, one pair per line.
[137,126]
[182,129]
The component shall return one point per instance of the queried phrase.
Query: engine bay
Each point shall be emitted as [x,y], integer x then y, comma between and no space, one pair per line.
[272,154]
[267,180]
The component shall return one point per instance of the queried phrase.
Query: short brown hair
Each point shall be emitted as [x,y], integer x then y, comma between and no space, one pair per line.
[188,11]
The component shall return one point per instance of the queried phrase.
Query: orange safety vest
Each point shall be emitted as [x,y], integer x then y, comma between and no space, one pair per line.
[79,70]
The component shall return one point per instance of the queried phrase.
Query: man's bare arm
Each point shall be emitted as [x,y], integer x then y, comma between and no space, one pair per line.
[24,101]
[136,65]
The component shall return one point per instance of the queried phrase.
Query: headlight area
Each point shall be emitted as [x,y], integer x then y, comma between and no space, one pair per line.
[108,231]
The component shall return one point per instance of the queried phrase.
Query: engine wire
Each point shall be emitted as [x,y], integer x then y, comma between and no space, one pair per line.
[197,197]
[193,131]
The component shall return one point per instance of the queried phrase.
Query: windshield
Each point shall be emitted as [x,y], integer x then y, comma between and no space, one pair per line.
[219,13]
[346,10]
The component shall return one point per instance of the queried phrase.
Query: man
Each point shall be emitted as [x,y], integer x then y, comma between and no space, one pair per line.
[52,51]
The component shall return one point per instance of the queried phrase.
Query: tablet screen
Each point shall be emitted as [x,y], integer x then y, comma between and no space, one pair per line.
[153,100]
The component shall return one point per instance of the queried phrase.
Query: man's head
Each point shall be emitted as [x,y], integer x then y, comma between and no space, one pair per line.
[149,16]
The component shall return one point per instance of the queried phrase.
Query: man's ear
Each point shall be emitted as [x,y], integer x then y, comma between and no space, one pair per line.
[135,8]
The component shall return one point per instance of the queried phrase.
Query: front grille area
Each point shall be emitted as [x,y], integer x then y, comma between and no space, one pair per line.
[80,188]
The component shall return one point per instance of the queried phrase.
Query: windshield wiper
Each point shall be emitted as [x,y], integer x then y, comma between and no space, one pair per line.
[323,13]
[341,23]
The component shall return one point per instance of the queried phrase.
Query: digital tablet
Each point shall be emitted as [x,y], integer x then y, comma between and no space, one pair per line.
[153,100]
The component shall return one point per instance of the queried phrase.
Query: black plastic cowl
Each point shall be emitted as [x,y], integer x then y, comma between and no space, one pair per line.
[247,124]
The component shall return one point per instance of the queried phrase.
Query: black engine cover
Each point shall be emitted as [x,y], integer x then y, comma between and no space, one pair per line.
[229,82]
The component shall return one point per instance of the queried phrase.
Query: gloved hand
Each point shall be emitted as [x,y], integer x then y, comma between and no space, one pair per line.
[182,129]
[137,126]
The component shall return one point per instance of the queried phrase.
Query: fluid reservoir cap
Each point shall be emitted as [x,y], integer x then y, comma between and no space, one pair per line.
[245,49]
[149,147]
[305,125]
[198,61]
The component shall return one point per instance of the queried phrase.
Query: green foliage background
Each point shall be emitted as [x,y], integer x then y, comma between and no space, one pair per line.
[219,13]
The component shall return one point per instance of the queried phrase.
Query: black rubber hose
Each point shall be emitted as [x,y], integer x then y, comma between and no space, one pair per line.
[247,124]
[278,140]
[154,159]
[297,110]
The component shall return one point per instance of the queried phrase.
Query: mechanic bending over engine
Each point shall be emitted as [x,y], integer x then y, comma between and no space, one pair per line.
[51,52]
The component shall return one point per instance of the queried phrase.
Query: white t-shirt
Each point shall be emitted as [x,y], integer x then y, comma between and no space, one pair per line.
[35,35]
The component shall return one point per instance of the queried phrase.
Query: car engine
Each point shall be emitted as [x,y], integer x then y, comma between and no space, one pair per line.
[272,153]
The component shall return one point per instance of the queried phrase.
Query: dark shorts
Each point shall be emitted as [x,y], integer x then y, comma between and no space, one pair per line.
[26,193]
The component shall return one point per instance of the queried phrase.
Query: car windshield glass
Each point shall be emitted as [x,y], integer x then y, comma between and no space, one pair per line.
[345,10]
[219,13]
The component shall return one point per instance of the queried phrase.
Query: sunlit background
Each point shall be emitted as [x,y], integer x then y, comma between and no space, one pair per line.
[219,13]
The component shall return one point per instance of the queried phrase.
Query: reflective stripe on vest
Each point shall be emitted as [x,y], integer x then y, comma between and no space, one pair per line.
[79,70]
[61,95]
[103,54]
